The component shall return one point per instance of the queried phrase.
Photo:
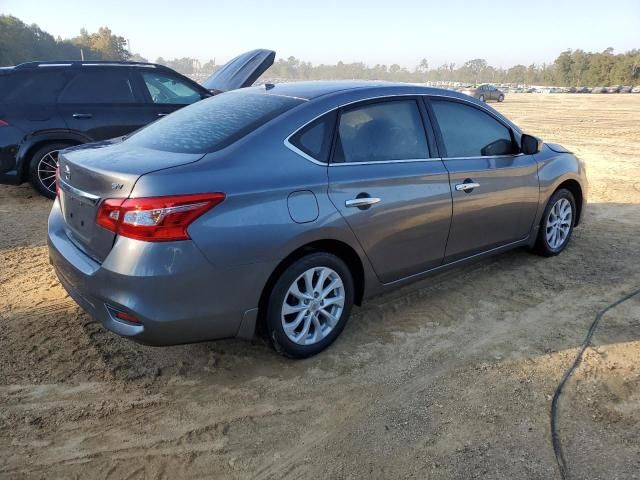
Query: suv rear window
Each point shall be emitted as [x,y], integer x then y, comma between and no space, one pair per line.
[101,86]
[32,87]
[213,123]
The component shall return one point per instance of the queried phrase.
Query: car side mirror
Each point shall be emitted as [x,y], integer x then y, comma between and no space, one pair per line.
[530,144]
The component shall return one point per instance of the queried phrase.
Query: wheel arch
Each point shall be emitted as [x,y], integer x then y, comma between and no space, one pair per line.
[34,142]
[336,247]
[576,190]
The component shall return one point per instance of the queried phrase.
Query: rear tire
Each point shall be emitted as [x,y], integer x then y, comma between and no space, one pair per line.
[481,98]
[501,98]
[309,305]
[42,168]
[557,224]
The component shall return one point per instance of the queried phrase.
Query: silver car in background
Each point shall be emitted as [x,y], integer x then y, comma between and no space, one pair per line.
[276,208]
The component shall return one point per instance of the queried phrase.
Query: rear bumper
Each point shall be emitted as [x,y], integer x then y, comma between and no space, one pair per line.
[10,178]
[9,145]
[171,287]
[9,174]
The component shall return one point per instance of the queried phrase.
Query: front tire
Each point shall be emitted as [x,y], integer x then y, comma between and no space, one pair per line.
[501,98]
[557,224]
[309,305]
[481,98]
[42,169]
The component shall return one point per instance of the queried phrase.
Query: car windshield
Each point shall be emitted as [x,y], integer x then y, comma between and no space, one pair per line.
[213,123]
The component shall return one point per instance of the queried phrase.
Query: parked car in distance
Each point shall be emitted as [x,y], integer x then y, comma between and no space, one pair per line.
[48,106]
[624,89]
[485,93]
[599,90]
[614,89]
[276,208]
[636,89]
[583,90]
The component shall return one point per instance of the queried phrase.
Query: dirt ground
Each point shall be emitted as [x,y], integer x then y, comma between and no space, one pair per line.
[450,378]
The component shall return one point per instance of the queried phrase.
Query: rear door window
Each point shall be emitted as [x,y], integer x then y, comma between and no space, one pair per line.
[314,140]
[166,89]
[390,130]
[469,132]
[32,87]
[213,123]
[100,87]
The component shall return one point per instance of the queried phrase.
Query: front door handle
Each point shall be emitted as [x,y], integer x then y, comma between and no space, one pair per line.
[361,202]
[466,187]
[82,115]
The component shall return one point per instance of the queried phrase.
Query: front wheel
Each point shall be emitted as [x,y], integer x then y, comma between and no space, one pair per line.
[481,98]
[501,98]
[309,305]
[42,169]
[557,224]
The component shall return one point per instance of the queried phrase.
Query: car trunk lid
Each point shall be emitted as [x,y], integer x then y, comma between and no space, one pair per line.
[241,71]
[90,174]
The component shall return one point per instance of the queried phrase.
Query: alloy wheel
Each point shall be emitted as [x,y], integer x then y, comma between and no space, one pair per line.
[313,305]
[47,167]
[559,223]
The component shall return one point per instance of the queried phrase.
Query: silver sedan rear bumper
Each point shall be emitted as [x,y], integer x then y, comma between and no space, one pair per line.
[175,292]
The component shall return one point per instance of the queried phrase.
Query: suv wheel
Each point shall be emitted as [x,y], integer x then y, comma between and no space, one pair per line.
[481,98]
[557,224]
[501,98]
[309,305]
[42,169]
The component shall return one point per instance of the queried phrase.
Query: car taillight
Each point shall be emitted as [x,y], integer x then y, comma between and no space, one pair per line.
[155,219]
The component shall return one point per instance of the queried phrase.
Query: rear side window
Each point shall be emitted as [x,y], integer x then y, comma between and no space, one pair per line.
[469,132]
[315,139]
[383,131]
[32,87]
[99,87]
[165,89]
[213,123]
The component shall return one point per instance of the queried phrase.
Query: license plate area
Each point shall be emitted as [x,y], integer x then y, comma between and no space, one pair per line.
[78,212]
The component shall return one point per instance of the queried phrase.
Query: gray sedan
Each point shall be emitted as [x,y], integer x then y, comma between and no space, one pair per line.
[485,93]
[276,208]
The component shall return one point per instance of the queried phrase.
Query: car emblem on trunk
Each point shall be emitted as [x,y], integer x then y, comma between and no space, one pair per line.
[67,172]
[116,186]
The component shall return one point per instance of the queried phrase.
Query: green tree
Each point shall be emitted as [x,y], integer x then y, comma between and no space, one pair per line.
[25,43]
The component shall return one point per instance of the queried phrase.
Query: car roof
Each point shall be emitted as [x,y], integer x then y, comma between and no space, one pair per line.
[362,90]
[309,90]
[88,63]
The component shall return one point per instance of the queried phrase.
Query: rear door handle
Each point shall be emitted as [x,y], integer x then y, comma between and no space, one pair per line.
[464,187]
[361,202]
[82,115]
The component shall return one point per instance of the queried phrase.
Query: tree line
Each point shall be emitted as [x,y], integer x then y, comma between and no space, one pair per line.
[22,43]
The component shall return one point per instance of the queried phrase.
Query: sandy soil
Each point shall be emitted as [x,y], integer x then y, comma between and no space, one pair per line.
[451,378]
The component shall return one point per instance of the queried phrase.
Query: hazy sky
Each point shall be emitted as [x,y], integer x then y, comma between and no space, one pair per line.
[400,31]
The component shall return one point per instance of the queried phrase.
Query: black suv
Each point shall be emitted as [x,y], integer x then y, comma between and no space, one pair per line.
[48,106]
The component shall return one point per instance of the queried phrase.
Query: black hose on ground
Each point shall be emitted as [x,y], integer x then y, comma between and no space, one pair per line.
[555,436]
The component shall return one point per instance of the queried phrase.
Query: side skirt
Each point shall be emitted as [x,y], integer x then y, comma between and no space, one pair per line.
[451,265]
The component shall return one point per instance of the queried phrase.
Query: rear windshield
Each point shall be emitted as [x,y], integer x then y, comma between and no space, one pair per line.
[213,123]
